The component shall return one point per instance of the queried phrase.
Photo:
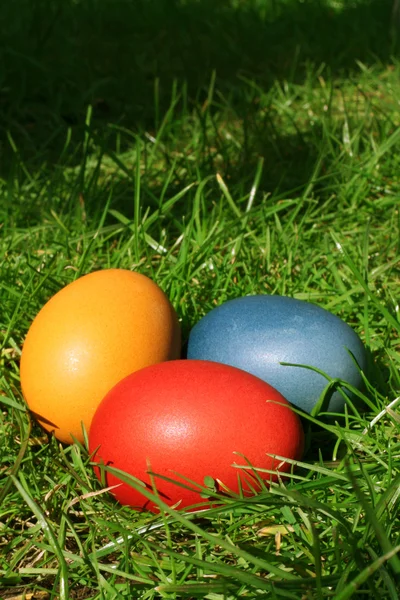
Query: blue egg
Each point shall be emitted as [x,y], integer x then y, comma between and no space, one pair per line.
[257,333]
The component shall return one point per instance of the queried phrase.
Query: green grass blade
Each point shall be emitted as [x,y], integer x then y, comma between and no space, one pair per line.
[50,535]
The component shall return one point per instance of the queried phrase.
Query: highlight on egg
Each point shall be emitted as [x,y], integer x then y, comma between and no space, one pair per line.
[188,420]
[86,338]
[259,333]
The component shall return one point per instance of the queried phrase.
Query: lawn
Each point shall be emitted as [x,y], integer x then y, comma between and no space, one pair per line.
[223,149]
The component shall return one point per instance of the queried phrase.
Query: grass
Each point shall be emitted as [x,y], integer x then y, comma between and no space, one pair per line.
[223,149]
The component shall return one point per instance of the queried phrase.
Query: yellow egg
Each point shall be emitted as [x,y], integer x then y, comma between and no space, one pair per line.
[90,335]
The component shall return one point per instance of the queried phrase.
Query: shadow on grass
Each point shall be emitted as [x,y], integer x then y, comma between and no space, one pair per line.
[58,57]
[123,57]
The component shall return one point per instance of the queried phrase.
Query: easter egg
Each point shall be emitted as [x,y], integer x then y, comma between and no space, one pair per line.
[258,333]
[90,335]
[185,420]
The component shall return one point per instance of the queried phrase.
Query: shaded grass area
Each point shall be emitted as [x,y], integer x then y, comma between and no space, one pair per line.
[124,57]
[251,165]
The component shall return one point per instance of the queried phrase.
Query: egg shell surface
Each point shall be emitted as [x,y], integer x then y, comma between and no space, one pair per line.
[188,418]
[257,333]
[86,338]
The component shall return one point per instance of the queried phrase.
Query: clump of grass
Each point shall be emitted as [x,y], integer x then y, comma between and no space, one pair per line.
[231,185]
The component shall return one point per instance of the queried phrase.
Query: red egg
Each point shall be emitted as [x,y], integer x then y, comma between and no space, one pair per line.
[191,417]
